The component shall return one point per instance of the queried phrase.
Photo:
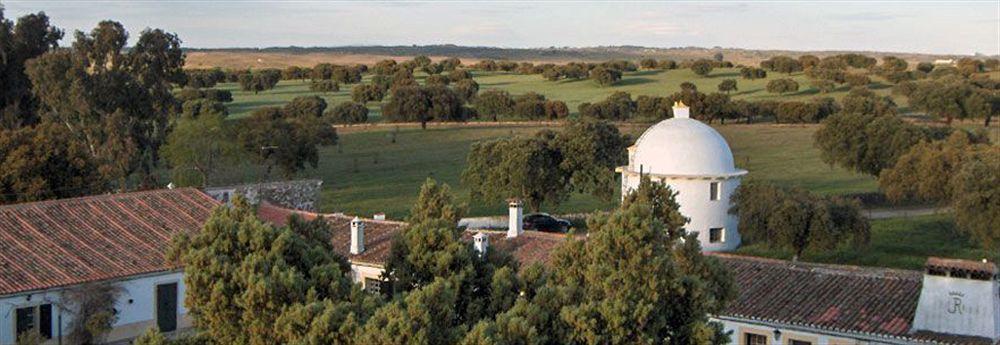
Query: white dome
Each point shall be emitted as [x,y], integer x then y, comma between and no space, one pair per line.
[685,147]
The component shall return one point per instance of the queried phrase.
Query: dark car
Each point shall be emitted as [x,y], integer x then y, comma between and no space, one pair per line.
[545,222]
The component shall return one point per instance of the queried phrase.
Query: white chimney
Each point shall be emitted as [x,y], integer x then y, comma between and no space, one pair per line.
[357,236]
[480,242]
[959,297]
[681,111]
[515,225]
[379,216]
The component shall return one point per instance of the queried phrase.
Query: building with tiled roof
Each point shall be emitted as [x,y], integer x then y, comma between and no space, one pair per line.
[50,247]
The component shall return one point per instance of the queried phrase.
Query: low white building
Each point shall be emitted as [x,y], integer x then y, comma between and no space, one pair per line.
[696,162]
[50,249]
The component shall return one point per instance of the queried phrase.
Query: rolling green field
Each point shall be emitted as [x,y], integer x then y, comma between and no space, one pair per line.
[573,92]
[897,242]
[368,173]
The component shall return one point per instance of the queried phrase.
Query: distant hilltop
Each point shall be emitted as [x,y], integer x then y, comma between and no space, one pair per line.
[278,57]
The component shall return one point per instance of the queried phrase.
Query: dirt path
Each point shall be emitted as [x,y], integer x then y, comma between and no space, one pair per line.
[884,213]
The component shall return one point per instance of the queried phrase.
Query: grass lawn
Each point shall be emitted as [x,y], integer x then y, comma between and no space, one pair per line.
[573,92]
[898,242]
[368,173]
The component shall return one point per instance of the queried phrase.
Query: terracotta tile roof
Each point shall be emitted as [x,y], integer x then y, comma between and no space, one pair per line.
[940,338]
[847,299]
[966,266]
[70,241]
[378,233]
[528,248]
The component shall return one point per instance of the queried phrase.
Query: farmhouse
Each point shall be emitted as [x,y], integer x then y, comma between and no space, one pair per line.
[51,249]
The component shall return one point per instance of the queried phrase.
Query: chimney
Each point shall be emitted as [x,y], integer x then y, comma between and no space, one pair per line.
[959,297]
[681,111]
[379,216]
[357,236]
[480,242]
[515,225]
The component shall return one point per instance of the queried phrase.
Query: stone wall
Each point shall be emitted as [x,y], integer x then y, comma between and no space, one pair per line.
[296,194]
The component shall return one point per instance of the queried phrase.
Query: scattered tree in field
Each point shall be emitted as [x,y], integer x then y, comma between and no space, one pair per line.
[727,86]
[782,64]
[954,98]
[494,103]
[718,57]
[555,109]
[450,64]
[856,60]
[781,86]
[365,93]
[277,138]
[797,219]
[198,147]
[258,81]
[279,281]
[305,106]
[924,172]
[293,73]
[666,64]
[808,61]
[617,107]
[459,74]
[752,73]
[653,107]
[467,89]
[524,167]
[214,95]
[605,76]
[423,104]
[324,86]
[925,67]
[830,68]
[385,67]
[702,67]
[865,136]
[437,79]
[348,113]
[823,85]
[857,79]
[976,197]
[590,152]
[648,64]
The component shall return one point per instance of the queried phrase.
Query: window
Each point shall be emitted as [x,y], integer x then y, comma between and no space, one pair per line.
[754,339]
[373,285]
[798,342]
[716,235]
[715,191]
[35,319]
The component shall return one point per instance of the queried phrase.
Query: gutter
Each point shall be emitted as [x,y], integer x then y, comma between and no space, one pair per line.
[870,337]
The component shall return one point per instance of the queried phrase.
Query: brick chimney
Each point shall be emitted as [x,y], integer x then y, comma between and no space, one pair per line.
[515,221]
[959,297]
[357,236]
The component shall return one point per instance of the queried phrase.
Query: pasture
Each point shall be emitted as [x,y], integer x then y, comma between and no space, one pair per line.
[573,92]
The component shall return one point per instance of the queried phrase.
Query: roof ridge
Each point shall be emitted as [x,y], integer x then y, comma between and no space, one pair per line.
[818,267]
[98,197]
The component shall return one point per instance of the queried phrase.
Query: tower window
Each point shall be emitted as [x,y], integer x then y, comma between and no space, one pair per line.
[715,191]
[716,235]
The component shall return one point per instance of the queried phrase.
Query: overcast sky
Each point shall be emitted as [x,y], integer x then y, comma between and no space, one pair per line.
[925,27]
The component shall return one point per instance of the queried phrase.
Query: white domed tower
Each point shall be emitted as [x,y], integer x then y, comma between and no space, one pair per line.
[696,162]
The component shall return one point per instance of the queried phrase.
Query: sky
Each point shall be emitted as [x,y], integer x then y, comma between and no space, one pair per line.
[940,27]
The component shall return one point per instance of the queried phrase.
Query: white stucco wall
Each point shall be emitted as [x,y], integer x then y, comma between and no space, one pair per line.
[959,306]
[694,197]
[133,318]
[739,329]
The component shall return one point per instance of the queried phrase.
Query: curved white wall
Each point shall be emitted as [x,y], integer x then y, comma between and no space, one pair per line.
[694,197]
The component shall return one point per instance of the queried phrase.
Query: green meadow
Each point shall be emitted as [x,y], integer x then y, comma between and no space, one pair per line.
[573,92]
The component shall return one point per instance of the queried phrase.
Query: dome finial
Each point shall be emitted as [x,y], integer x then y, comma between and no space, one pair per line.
[680,104]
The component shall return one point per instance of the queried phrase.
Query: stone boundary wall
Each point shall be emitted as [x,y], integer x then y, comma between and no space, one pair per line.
[296,194]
